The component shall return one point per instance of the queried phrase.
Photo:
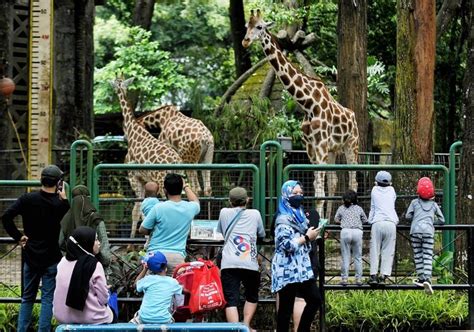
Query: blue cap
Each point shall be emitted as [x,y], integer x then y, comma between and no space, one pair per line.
[156,261]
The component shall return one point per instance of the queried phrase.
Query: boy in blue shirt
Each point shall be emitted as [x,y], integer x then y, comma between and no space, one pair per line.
[159,291]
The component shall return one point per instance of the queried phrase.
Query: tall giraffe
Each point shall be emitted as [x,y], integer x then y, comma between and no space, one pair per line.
[190,137]
[328,127]
[143,148]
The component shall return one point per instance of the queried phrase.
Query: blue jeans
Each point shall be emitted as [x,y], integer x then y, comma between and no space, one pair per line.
[31,280]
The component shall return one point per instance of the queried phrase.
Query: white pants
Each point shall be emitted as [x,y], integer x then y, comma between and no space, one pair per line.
[383,237]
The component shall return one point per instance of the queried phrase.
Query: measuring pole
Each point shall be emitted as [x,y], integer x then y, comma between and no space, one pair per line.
[40,86]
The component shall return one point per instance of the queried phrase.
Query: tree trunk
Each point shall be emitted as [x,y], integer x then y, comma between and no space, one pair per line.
[465,206]
[237,26]
[352,62]
[73,83]
[414,109]
[143,13]
[5,125]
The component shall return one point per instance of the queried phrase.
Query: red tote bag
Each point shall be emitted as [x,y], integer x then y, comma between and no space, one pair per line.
[206,294]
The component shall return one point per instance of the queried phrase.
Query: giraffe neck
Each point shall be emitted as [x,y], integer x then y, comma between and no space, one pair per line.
[298,84]
[130,125]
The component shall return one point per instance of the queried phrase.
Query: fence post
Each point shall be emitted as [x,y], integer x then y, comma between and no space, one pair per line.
[263,176]
[72,166]
[470,271]
[322,291]
[452,187]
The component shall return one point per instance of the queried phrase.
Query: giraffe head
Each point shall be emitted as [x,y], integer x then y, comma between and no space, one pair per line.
[120,83]
[255,28]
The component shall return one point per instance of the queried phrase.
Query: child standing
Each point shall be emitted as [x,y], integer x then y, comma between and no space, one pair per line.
[159,291]
[351,217]
[423,213]
[383,235]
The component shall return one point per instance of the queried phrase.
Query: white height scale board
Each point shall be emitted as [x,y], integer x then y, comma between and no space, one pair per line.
[40,86]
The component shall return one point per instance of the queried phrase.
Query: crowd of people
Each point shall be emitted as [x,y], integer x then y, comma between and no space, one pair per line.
[66,250]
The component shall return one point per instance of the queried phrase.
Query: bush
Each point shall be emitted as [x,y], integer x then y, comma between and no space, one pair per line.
[395,310]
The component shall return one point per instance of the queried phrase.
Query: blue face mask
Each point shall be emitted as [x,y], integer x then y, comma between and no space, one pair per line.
[295,201]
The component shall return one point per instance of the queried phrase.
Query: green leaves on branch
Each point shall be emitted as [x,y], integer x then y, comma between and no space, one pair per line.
[157,77]
[247,124]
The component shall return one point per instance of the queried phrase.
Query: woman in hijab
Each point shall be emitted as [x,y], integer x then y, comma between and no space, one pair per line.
[291,265]
[81,295]
[83,213]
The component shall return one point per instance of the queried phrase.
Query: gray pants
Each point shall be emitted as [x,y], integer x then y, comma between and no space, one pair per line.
[383,237]
[351,240]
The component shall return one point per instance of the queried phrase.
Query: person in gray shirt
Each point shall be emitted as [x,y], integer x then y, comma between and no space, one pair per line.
[351,217]
[240,228]
[423,213]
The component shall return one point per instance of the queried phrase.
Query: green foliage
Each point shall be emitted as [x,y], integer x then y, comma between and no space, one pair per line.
[246,125]
[123,271]
[9,311]
[278,12]
[197,34]
[395,310]
[378,93]
[157,77]
[441,267]
[108,35]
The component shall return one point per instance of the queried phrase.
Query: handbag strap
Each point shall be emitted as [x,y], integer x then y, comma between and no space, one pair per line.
[231,226]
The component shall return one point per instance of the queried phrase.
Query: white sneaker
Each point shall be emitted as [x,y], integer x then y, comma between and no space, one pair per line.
[428,288]
[418,282]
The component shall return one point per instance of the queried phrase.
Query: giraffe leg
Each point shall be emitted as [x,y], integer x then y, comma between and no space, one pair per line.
[206,175]
[319,190]
[351,152]
[194,181]
[332,183]
[139,189]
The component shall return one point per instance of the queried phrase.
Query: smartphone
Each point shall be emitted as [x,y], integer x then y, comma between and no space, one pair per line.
[59,185]
[322,225]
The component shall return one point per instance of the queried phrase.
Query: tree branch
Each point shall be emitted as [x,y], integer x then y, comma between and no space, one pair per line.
[445,15]
[236,85]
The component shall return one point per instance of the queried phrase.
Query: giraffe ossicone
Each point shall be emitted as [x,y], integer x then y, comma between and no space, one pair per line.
[328,127]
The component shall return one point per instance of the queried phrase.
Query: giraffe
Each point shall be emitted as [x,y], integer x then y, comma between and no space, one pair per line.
[190,137]
[328,127]
[143,148]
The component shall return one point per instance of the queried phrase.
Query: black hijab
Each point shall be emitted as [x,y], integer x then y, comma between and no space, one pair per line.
[79,247]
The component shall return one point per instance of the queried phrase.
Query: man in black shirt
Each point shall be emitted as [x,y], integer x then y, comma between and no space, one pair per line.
[41,214]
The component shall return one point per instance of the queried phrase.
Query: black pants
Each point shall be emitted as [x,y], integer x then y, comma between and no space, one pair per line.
[310,293]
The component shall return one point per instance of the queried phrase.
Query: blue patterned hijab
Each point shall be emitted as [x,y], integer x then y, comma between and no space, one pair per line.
[284,207]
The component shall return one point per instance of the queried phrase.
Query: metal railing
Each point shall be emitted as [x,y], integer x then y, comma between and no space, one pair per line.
[167,167]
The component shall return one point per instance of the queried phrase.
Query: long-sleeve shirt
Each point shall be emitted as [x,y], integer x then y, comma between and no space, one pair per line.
[382,205]
[423,215]
[41,214]
[96,310]
[291,262]
[351,217]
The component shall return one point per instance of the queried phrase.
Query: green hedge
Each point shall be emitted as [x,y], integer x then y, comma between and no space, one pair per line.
[395,310]
[345,311]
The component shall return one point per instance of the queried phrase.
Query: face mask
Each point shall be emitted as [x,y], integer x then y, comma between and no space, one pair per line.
[295,201]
